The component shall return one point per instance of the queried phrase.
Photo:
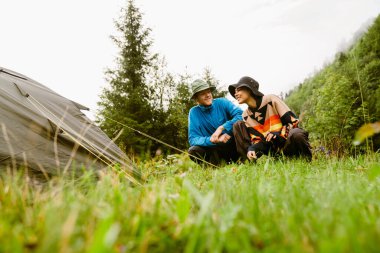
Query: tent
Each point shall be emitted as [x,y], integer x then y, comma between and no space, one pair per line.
[47,133]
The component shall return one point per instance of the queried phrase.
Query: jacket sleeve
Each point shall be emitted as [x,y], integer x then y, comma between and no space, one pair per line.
[288,119]
[286,115]
[234,112]
[260,148]
[195,135]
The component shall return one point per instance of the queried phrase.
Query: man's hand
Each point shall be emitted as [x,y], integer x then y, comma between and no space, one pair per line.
[215,136]
[224,138]
[251,155]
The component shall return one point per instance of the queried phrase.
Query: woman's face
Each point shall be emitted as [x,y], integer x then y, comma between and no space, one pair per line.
[242,94]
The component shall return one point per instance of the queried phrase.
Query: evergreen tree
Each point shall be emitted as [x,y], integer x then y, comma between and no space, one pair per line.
[162,88]
[176,122]
[161,85]
[126,100]
[209,77]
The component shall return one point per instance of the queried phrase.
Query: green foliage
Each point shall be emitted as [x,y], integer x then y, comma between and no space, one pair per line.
[176,122]
[211,80]
[127,98]
[328,205]
[143,95]
[173,103]
[344,95]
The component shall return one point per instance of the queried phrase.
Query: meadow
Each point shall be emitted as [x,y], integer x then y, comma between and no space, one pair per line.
[328,205]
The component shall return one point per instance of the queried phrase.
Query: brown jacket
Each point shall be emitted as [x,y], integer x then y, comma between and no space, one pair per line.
[272,115]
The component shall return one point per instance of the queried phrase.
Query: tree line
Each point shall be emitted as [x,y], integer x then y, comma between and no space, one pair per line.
[142,95]
[342,96]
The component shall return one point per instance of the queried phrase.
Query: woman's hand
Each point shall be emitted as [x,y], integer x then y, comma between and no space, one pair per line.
[251,155]
[270,136]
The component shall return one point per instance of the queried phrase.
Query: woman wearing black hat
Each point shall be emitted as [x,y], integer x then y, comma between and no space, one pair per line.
[268,126]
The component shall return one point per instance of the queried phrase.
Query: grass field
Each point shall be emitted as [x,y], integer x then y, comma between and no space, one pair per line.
[328,205]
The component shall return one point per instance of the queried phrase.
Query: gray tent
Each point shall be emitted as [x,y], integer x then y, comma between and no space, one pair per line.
[48,133]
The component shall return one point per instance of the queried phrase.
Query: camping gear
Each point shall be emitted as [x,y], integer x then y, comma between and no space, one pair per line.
[47,133]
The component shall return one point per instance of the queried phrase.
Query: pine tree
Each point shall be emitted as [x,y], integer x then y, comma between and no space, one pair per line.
[126,100]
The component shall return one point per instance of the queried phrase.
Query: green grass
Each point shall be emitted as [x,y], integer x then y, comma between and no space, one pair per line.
[328,205]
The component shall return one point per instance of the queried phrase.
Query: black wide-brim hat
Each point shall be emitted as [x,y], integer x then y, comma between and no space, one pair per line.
[248,82]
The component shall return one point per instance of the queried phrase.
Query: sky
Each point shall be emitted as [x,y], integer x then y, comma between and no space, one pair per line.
[66,45]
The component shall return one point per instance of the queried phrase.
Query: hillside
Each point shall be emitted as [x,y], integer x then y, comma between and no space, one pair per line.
[343,95]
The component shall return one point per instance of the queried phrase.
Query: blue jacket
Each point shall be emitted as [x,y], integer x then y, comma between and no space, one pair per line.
[203,121]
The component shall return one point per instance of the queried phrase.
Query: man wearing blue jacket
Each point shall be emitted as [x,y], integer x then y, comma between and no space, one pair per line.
[210,126]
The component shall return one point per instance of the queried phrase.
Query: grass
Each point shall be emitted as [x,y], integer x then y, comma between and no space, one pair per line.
[328,205]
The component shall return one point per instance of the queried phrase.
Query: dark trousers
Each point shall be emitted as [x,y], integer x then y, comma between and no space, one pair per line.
[216,154]
[296,145]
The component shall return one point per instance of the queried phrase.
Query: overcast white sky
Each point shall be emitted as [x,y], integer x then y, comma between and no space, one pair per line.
[65,45]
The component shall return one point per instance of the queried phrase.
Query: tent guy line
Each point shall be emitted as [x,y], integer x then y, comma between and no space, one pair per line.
[162,142]
[110,163]
[49,134]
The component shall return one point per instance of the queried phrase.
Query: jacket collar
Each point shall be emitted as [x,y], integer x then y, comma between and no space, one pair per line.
[206,108]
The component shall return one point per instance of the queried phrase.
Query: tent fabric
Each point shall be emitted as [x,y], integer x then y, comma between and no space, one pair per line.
[49,133]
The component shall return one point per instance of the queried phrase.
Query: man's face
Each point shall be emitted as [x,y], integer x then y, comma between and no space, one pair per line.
[242,94]
[204,97]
